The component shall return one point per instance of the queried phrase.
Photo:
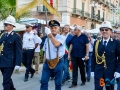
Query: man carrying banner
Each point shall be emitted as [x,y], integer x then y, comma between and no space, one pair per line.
[54,52]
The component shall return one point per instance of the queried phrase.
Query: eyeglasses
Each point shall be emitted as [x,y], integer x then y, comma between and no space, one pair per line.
[104,30]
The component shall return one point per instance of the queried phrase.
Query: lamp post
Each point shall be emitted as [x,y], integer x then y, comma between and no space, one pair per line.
[94,4]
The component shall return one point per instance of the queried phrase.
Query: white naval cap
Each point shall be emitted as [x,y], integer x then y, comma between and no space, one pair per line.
[10,20]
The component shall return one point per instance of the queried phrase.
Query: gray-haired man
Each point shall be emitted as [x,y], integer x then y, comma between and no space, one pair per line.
[78,52]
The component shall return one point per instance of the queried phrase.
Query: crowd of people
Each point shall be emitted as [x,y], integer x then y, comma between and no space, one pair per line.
[94,57]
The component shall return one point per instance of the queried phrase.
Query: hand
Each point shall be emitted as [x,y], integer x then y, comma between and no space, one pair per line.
[116,75]
[86,57]
[92,74]
[47,30]
[69,57]
[17,67]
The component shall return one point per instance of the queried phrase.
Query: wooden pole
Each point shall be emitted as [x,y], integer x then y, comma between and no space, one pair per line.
[46,15]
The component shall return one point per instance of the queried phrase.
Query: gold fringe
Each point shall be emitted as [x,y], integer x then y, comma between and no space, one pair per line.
[50,8]
[27,7]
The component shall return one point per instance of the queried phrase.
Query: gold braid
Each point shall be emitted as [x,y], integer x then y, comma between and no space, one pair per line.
[102,58]
[2,45]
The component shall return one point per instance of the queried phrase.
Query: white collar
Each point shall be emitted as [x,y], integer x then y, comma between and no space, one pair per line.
[30,32]
[9,32]
[106,40]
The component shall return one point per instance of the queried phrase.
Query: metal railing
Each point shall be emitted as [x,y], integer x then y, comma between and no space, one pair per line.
[81,13]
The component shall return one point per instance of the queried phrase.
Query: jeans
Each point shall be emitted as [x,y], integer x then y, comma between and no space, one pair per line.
[118,83]
[47,73]
[88,65]
[66,74]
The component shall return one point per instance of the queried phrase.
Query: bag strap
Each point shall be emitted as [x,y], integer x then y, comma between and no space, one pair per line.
[49,49]
[57,56]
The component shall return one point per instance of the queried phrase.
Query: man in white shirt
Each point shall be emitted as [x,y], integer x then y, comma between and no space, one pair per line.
[88,62]
[30,43]
[37,53]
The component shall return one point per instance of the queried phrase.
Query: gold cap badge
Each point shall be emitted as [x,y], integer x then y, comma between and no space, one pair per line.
[52,22]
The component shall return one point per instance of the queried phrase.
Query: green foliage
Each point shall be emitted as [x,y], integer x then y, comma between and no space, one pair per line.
[8,7]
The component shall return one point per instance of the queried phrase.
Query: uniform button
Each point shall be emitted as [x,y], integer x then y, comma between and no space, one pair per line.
[1,54]
[2,50]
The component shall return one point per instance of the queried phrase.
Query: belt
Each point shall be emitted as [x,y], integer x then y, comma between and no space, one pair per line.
[90,52]
[27,48]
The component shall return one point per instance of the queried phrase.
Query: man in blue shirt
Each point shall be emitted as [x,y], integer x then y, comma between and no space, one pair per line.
[78,52]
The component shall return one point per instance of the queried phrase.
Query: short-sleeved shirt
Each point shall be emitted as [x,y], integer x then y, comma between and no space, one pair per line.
[38,47]
[29,40]
[53,49]
[79,45]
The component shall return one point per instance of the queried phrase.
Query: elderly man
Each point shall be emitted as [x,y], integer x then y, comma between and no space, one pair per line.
[11,53]
[54,52]
[78,52]
[105,59]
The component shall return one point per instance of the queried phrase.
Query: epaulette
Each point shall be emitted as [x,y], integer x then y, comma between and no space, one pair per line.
[34,33]
[12,33]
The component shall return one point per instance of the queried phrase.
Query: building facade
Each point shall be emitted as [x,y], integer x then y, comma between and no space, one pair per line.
[87,13]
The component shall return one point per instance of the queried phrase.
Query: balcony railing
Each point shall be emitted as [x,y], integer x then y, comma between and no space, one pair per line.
[81,13]
[87,14]
[102,19]
[76,11]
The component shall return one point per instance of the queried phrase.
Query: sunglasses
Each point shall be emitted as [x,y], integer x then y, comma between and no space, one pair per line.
[104,30]
[27,26]
[5,24]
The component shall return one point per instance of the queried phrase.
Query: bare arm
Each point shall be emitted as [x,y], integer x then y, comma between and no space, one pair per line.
[87,49]
[54,41]
[44,58]
[36,45]
[69,52]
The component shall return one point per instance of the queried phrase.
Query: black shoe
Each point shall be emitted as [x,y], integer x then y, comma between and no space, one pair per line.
[88,79]
[68,79]
[32,75]
[52,78]
[82,84]
[73,86]
[63,83]
[26,79]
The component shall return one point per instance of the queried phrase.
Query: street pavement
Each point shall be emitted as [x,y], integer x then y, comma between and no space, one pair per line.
[34,83]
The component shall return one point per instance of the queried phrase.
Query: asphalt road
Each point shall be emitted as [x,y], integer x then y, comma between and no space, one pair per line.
[34,83]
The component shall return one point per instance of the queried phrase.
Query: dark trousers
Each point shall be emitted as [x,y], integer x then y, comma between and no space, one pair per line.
[78,62]
[7,81]
[98,87]
[27,57]
[47,72]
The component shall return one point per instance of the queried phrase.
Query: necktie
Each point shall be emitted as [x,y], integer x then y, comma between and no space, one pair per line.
[7,34]
[105,44]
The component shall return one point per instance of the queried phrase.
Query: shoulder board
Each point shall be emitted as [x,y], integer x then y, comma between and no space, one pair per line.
[34,33]
[12,33]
